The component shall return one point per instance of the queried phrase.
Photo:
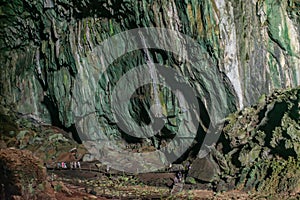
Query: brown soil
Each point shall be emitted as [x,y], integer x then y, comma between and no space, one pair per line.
[20,172]
[92,182]
[144,186]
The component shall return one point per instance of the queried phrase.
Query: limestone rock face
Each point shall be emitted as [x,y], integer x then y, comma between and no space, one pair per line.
[46,46]
[52,69]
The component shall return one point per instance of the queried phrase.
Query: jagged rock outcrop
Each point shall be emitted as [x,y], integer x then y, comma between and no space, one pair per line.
[259,147]
[45,141]
[266,151]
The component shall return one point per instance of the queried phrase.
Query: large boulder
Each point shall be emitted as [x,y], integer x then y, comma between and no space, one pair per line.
[22,176]
[204,169]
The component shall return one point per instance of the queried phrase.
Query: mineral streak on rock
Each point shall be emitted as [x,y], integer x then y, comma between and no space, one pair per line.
[46,46]
[46,49]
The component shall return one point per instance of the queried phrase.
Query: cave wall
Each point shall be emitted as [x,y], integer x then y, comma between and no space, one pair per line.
[47,50]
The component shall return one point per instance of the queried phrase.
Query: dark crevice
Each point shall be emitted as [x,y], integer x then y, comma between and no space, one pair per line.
[204,114]
[273,118]
[130,139]
[226,148]
[54,116]
[53,111]
[74,132]
[235,159]
[294,111]
[282,151]
[262,113]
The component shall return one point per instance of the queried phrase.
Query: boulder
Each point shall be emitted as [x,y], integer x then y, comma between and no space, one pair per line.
[204,169]
[22,176]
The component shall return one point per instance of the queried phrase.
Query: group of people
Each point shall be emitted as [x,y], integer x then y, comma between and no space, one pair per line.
[178,178]
[61,165]
[68,160]
[75,165]
[72,165]
[182,173]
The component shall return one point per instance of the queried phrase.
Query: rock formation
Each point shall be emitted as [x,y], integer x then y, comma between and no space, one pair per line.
[23,176]
[46,47]
[258,148]
[53,71]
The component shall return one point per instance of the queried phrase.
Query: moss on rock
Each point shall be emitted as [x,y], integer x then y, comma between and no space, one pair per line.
[261,144]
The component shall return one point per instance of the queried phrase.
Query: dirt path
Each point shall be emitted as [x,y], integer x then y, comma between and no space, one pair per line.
[95,183]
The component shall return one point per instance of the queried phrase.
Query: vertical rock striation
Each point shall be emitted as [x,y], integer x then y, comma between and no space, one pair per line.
[45,45]
[50,69]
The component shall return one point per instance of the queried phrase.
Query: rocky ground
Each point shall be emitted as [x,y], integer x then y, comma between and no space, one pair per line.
[24,177]
[147,186]
[257,158]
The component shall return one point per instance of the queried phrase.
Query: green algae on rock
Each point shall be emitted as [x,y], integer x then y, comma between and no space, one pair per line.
[260,145]
[46,49]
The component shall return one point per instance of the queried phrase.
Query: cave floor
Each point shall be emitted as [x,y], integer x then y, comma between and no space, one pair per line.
[91,182]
